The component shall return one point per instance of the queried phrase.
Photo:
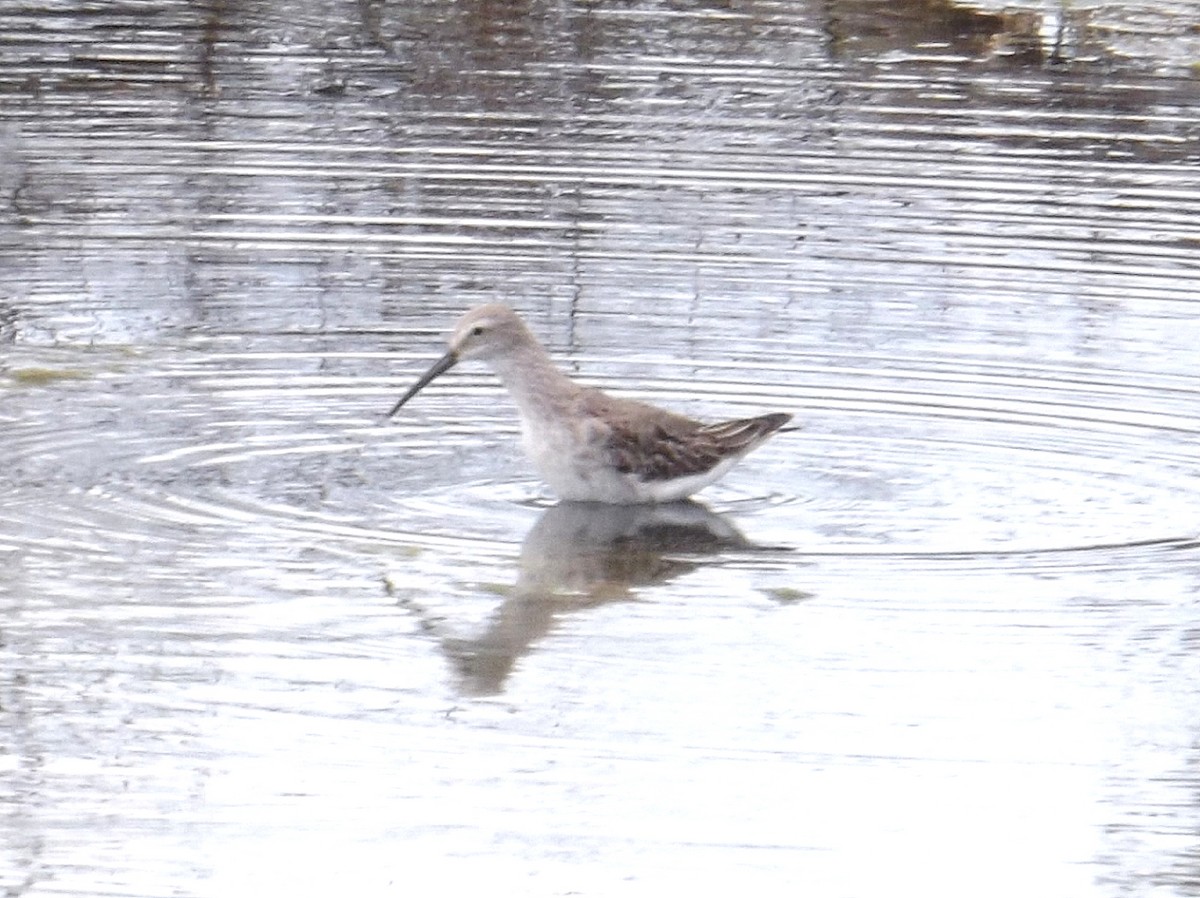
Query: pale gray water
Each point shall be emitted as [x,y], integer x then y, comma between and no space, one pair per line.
[257,641]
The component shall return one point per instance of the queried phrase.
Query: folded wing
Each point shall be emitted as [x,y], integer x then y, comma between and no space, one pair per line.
[680,447]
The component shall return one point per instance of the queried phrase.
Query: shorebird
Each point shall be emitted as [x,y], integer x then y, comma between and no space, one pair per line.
[589,446]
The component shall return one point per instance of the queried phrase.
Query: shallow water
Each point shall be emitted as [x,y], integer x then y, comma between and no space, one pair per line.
[258,640]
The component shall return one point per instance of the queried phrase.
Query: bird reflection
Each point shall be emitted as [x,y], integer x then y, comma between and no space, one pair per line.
[580,555]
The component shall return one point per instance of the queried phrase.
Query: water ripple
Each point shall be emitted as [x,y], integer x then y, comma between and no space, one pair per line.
[958,245]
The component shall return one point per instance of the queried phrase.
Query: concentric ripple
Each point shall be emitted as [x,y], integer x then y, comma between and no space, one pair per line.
[256,639]
[893,460]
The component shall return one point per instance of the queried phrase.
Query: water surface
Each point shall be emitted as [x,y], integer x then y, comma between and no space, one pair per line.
[255,639]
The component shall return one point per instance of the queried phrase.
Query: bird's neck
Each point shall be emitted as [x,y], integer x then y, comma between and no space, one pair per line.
[532,379]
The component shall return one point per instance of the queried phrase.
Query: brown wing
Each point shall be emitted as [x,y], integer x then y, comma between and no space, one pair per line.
[743,434]
[658,447]
[656,452]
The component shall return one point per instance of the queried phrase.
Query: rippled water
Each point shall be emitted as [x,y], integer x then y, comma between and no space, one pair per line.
[257,640]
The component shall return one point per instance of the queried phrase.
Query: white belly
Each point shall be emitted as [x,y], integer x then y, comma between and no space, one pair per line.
[580,475]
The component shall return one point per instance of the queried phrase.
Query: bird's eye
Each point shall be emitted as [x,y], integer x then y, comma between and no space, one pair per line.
[477,330]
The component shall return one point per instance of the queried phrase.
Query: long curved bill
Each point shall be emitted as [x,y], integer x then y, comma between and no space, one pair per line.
[441,366]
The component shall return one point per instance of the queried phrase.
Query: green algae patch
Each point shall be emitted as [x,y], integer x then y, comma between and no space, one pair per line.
[787,594]
[41,377]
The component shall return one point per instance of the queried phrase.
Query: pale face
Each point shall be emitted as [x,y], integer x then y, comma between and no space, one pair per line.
[483,333]
[486,332]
